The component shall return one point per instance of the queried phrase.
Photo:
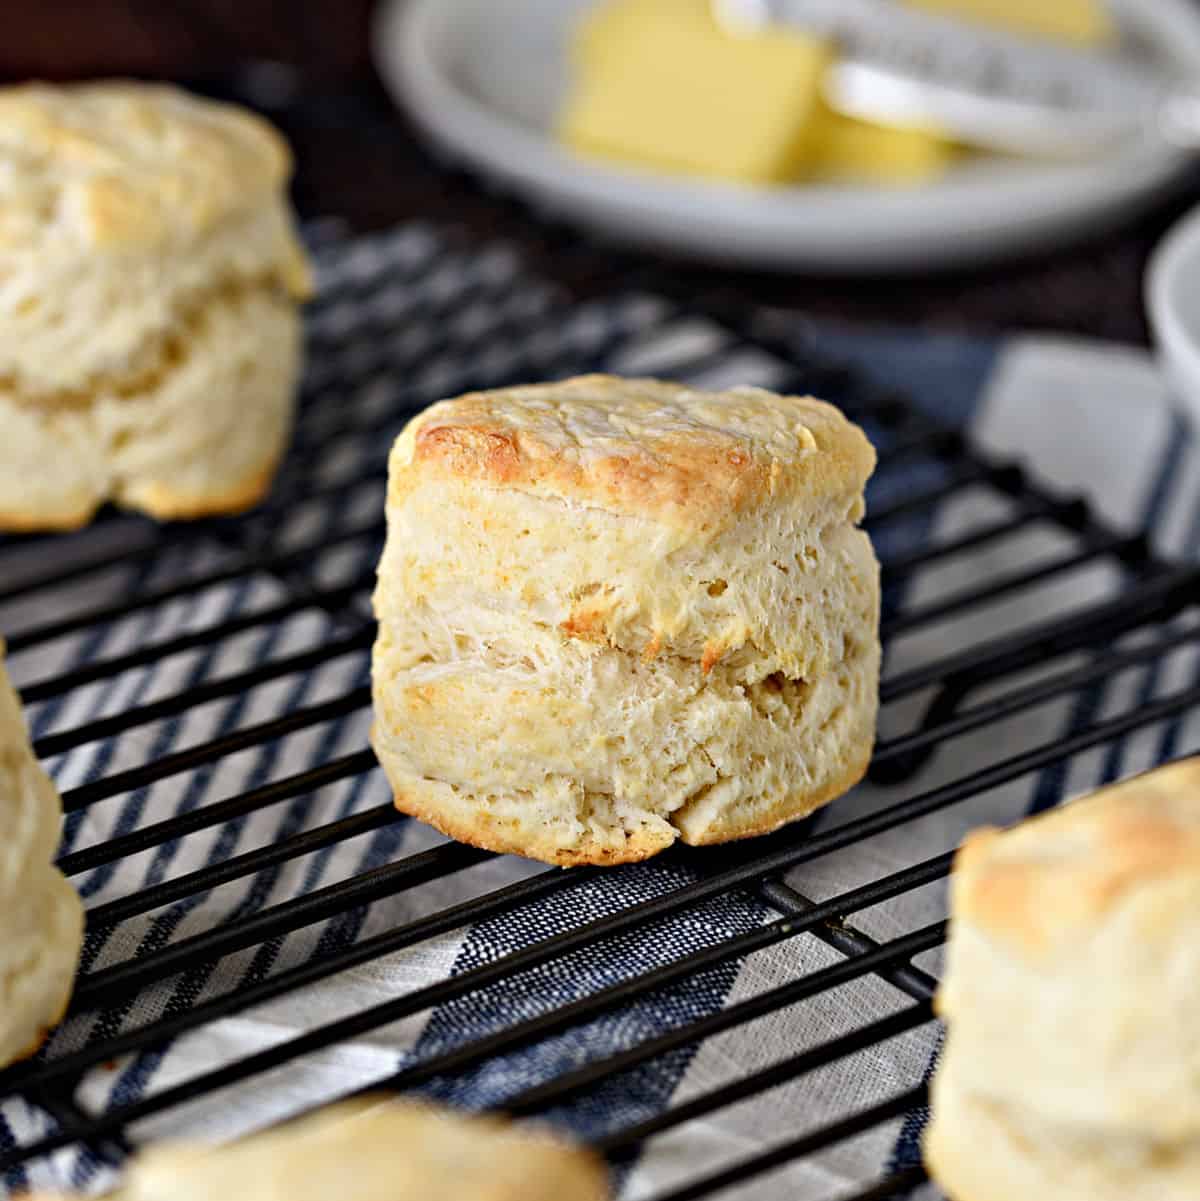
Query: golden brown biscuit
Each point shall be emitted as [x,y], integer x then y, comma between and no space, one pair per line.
[149,274]
[1070,996]
[614,613]
[372,1151]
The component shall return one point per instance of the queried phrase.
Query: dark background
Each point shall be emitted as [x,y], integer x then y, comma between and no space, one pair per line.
[308,65]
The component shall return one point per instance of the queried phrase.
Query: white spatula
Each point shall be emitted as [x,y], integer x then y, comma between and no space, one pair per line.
[987,89]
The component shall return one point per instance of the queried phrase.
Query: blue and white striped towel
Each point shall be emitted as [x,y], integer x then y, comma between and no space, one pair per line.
[1093,419]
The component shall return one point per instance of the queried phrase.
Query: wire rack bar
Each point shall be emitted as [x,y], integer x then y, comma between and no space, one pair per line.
[202,694]
[188,760]
[835,932]
[216,814]
[273,564]
[997,588]
[145,656]
[808,1144]
[885,956]
[110,985]
[247,864]
[622,1144]
[1157,599]
[543,1026]
[70,1067]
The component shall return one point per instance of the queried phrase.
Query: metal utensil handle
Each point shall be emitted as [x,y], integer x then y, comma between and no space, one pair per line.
[983,88]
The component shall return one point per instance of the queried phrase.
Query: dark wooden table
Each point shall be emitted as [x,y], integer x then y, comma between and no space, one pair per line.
[359,159]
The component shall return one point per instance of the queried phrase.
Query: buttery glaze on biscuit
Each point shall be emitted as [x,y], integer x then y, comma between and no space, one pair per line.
[41,918]
[1072,985]
[149,274]
[614,613]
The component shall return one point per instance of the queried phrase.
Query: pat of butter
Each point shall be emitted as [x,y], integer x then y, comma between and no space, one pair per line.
[1082,21]
[659,84]
[846,150]
[605,28]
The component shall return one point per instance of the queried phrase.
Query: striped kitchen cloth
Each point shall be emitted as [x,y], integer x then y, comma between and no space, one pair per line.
[402,319]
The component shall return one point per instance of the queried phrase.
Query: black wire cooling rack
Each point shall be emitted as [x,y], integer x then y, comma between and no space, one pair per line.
[311,551]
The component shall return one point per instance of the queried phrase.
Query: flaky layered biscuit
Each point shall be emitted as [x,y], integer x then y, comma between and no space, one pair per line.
[373,1151]
[41,918]
[614,613]
[1070,997]
[149,274]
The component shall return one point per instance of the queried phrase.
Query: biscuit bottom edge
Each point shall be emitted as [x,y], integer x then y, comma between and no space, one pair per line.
[461,816]
[975,1150]
[155,498]
[528,743]
[54,980]
[159,500]
[34,521]
[52,1023]
[794,807]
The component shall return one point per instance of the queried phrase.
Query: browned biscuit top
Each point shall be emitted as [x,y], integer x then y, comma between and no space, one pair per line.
[641,447]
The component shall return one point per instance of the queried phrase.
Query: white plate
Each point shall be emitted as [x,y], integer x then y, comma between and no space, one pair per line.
[484,78]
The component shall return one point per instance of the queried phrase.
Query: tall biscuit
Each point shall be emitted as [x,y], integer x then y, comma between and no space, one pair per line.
[614,613]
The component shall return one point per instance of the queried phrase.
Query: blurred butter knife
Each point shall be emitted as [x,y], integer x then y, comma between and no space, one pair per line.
[898,66]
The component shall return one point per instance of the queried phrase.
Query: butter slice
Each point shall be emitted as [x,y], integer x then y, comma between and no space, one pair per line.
[659,84]
[1086,22]
[846,150]
[604,29]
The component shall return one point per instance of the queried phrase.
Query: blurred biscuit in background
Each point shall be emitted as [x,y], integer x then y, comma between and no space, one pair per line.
[149,285]
[367,1150]
[1070,998]
[41,917]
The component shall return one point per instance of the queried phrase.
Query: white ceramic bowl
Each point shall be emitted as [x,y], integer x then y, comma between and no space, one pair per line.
[1173,301]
